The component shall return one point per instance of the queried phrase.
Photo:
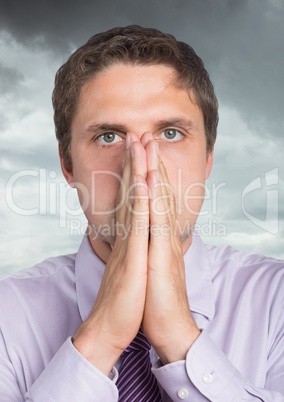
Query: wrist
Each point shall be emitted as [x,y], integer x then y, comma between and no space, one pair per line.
[178,347]
[96,349]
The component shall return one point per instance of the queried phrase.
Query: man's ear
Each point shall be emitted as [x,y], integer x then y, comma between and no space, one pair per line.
[67,173]
[209,163]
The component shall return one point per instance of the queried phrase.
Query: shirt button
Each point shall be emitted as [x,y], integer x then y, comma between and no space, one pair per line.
[207,378]
[182,393]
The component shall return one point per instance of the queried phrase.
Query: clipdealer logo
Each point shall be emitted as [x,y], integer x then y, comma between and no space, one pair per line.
[269,184]
[53,196]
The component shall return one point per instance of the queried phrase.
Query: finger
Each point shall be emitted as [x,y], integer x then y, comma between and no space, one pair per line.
[138,154]
[121,207]
[155,163]
[159,186]
[138,214]
[123,215]
[146,137]
[138,191]
[167,190]
[162,220]
[152,155]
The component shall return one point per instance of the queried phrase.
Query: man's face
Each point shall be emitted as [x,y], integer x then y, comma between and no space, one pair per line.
[137,99]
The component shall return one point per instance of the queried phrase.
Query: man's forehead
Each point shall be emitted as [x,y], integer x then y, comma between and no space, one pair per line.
[133,73]
[123,102]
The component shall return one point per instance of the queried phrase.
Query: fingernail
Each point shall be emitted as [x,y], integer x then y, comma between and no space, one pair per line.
[127,141]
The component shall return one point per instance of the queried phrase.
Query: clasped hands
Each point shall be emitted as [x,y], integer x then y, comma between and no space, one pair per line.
[144,280]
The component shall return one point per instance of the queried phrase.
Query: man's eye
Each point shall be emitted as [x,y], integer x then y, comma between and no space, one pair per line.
[171,134]
[108,138]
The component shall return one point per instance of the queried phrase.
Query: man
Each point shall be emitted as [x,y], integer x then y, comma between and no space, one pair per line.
[136,119]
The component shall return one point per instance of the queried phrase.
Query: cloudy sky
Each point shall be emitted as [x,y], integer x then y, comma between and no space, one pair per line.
[241,42]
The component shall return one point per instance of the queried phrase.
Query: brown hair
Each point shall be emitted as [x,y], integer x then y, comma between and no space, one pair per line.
[136,45]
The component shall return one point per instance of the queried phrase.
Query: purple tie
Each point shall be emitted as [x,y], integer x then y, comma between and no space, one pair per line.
[136,382]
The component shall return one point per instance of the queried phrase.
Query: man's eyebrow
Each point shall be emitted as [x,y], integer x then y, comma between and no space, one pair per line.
[98,127]
[177,122]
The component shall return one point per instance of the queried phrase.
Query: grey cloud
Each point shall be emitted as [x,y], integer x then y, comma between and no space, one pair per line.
[31,160]
[9,79]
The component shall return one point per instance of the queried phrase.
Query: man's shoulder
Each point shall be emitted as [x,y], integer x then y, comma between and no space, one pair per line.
[41,272]
[223,253]
[245,266]
[36,297]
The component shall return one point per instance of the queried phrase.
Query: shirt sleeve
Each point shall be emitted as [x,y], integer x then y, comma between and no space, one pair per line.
[70,377]
[9,388]
[67,377]
[208,375]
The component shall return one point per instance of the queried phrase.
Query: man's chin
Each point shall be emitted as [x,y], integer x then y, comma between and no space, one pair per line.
[103,231]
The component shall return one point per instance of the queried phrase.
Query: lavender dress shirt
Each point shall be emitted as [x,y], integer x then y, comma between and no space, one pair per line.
[236,298]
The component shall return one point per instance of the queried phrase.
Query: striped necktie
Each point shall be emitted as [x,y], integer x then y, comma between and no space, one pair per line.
[136,382]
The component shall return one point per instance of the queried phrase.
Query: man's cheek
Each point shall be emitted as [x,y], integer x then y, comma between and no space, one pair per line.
[104,192]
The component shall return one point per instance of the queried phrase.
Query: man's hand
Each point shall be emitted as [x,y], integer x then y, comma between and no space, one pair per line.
[167,321]
[118,310]
[141,284]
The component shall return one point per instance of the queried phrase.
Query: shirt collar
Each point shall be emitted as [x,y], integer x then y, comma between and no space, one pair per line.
[89,270]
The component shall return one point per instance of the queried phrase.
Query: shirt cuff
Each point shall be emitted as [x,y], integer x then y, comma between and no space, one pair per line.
[70,377]
[206,373]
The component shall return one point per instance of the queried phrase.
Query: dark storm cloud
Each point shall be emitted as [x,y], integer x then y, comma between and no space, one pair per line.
[198,20]
[240,41]
[56,23]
